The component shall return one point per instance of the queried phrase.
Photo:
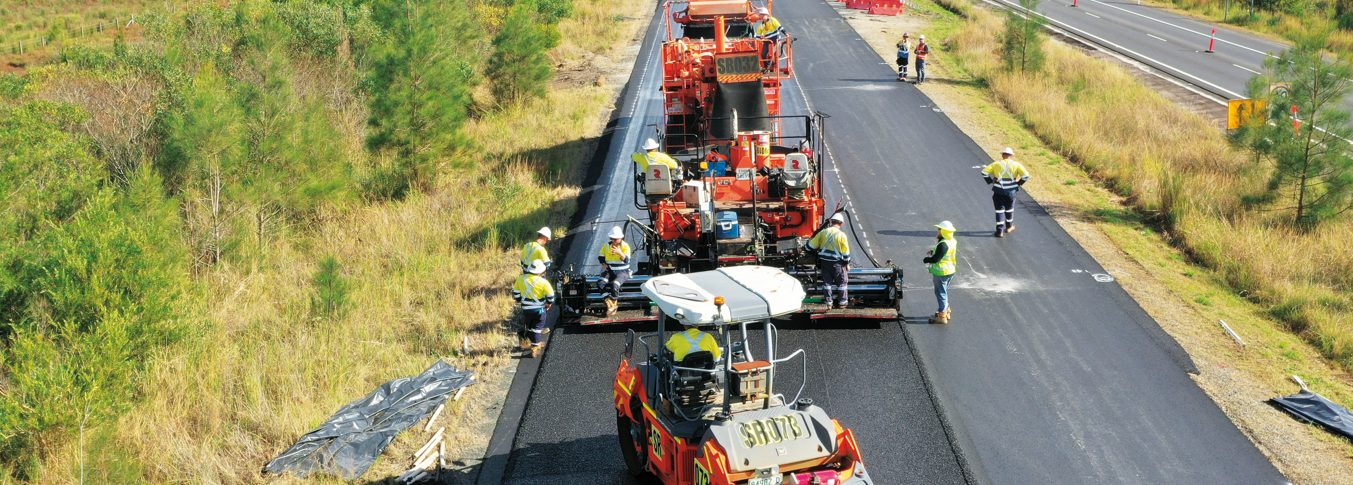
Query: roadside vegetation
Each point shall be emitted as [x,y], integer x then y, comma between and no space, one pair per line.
[219,232]
[1289,19]
[1214,201]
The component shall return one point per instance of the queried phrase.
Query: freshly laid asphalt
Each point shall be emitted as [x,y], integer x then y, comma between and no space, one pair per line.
[1050,373]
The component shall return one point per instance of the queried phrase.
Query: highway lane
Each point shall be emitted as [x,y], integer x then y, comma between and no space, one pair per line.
[864,375]
[1050,373]
[1172,44]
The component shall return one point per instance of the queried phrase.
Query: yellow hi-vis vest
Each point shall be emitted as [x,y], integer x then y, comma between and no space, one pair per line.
[692,340]
[831,244]
[1007,173]
[533,292]
[645,159]
[617,260]
[948,264]
[770,29]
[531,252]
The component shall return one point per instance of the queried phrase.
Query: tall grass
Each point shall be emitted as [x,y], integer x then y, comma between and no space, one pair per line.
[1288,22]
[1178,169]
[353,293]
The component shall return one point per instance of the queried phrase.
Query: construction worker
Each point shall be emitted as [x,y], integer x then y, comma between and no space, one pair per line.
[922,50]
[833,259]
[692,340]
[769,29]
[942,261]
[651,155]
[536,250]
[806,148]
[903,56]
[1005,176]
[615,259]
[536,296]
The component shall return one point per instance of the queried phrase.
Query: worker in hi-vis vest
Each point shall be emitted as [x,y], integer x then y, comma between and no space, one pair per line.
[615,259]
[1005,176]
[768,29]
[833,259]
[535,294]
[942,260]
[682,344]
[536,250]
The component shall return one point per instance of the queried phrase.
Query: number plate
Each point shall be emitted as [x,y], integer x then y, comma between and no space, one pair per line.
[775,480]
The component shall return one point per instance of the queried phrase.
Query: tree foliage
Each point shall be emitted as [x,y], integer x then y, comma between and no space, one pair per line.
[1309,148]
[520,66]
[1022,43]
[421,84]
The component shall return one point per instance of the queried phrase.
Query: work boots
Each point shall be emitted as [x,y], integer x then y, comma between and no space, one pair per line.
[537,350]
[1000,231]
[940,318]
[611,307]
[1010,228]
[524,343]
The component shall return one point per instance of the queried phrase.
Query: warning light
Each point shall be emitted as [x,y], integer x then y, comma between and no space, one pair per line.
[718,301]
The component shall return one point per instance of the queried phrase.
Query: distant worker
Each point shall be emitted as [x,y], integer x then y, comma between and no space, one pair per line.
[536,250]
[921,51]
[1006,176]
[833,259]
[615,259]
[903,56]
[690,341]
[769,28]
[535,294]
[942,261]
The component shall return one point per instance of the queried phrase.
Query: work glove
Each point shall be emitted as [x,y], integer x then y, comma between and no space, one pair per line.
[1021,182]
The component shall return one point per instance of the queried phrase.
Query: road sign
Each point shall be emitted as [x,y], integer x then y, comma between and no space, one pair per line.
[1242,111]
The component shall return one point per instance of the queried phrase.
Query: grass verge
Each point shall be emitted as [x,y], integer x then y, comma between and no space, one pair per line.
[421,279]
[1185,297]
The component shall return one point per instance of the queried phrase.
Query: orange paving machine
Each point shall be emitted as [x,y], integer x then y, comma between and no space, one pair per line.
[708,414]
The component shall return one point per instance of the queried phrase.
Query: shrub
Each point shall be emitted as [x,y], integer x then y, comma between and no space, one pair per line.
[331,290]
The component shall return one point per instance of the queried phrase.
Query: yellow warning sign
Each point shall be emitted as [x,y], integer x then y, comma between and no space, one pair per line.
[1243,111]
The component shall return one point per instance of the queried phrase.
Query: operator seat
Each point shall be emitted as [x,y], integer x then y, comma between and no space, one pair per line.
[693,392]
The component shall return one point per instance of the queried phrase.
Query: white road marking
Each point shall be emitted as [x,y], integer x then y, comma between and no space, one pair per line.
[1139,57]
[1157,38]
[1246,68]
[1186,29]
[1093,15]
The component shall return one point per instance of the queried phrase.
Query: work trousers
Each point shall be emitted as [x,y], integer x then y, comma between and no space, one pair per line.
[533,325]
[1004,201]
[920,69]
[941,291]
[834,281]
[613,280]
[902,62]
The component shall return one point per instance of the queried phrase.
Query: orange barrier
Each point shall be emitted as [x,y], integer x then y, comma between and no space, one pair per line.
[885,7]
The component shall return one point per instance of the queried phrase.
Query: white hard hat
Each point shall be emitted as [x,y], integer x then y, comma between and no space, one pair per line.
[837,217]
[650,144]
[763,10]
[805,143]
[1008,151]
[616,233]
[946,226]
[537,267]
[545,231]
[922,37]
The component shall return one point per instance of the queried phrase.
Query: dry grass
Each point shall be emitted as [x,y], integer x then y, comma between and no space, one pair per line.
[427,274]
[1185,298]
[1173,166]
[1277,24]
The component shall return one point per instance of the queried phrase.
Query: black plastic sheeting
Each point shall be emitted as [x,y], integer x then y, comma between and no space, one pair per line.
[1314,408]
[349,442]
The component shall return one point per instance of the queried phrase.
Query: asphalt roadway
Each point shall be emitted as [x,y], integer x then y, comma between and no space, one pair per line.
[1172,44]
[1050,373]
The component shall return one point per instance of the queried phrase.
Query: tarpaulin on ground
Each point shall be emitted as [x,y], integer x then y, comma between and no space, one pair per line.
[1312,407]
[349,442]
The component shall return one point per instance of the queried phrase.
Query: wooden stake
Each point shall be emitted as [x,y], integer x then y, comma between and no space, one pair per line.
[433,419]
